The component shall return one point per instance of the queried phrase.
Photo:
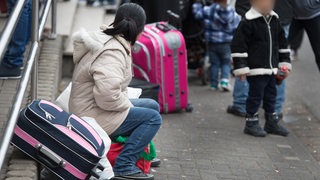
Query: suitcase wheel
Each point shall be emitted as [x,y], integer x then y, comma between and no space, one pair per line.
[189,108]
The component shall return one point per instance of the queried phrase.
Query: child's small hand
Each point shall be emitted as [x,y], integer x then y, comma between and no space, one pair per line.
[287,72]
[242,77]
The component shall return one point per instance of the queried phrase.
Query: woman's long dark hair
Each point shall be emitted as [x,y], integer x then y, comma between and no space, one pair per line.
[128,23]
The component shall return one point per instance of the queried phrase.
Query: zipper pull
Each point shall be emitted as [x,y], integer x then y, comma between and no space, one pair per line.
[69,125]
[48,116]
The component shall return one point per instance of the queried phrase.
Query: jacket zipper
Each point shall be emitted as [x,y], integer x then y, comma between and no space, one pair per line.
[270,38]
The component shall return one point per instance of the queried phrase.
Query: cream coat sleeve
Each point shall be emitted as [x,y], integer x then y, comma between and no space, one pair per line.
[108,72]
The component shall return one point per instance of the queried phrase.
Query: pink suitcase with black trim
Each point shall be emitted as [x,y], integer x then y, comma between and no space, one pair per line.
[160,56]
[62,142]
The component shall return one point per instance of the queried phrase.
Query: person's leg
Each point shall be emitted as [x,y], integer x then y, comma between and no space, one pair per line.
[270,94]
[140,126]
[281,97]
[295,35]
[312,27]
[272,125]
[225,57]
[240,95]
[146,103]
[257,85]
[215,65]
[14,55]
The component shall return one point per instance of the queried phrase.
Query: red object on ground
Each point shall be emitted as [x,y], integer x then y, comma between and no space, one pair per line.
[115,150]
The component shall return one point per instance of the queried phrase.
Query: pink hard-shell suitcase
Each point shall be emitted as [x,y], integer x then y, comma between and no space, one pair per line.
[160,56]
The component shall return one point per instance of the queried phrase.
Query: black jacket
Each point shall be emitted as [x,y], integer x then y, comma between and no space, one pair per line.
[259,45]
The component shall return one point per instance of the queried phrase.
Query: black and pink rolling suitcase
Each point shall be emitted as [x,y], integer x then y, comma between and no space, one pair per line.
[160,56]
[62,142]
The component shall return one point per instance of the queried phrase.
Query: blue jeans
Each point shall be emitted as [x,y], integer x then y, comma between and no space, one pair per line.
[141,125]
[220,57]
[14,55]
[240,95]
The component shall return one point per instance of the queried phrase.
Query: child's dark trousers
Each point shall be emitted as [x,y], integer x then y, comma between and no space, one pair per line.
[262,88]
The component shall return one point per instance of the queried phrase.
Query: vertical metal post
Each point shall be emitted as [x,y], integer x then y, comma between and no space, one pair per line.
[35,38]
[53,34]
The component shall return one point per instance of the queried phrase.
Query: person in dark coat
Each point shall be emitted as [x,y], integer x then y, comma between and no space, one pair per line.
[307,17]
[259,48]
[241,88]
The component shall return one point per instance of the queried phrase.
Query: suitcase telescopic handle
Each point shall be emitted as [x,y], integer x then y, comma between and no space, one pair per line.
[49,158]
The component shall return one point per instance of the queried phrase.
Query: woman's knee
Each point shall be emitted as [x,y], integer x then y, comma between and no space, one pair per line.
[156,118]
[152,104]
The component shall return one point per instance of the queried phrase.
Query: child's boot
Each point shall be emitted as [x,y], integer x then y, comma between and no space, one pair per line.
[253,127]
[272,125]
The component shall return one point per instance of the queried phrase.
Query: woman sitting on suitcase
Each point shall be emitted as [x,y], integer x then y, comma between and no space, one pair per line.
[99,88]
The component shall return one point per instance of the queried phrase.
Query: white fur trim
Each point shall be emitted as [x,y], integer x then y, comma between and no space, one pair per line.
[241,71]
[288,65]
[84,37]
[239,55]
[254,14]
[284,50]
[103,27]
[262,71]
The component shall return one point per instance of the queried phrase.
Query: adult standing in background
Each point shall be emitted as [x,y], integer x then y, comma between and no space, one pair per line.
[241,88]
[12,62]
[307,16]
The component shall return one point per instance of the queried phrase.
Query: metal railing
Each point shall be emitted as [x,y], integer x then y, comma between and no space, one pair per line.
[31,67]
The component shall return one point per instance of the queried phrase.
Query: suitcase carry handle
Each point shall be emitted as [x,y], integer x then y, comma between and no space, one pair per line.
[49,158]
[94,172]
[163,27]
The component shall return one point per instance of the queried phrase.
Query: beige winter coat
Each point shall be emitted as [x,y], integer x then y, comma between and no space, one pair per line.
[101,76]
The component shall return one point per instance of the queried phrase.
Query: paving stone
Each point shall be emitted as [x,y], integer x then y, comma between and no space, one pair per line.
[19,173]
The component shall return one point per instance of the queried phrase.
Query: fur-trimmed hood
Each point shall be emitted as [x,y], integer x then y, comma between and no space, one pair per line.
[84,42]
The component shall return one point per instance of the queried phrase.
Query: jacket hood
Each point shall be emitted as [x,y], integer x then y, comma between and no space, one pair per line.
[254,14]
[84,42]
[223,14]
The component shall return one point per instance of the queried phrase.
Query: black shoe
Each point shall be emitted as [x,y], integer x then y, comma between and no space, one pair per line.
[252,126]
[235,111]
[155,162]
[138,176]
[272,125]
[10,73]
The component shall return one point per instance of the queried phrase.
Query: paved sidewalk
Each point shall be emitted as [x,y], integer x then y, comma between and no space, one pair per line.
[209,144]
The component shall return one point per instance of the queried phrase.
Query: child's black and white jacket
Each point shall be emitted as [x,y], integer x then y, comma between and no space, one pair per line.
[259,46]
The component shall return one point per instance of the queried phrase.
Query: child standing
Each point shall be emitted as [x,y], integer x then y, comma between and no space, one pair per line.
[220,22]
[259,48]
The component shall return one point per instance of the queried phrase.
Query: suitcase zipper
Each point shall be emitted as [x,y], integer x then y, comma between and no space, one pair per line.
[72,128]
[146,51]
[159,40]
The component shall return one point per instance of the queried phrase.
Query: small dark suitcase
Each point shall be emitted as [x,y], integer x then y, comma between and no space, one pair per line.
[149,90]
[62,142]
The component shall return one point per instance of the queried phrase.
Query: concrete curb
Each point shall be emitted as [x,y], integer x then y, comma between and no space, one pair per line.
[21,167]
